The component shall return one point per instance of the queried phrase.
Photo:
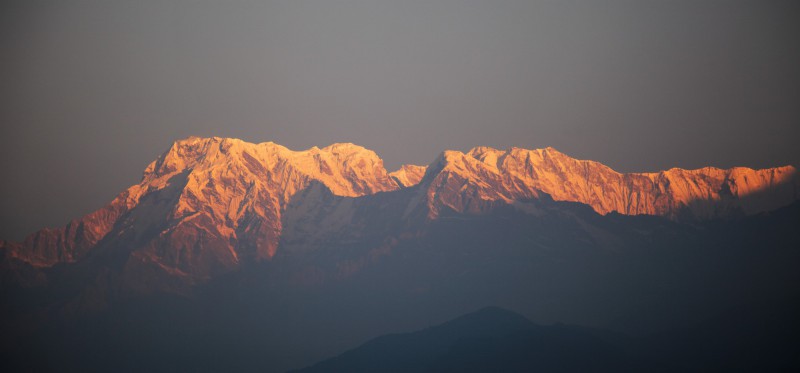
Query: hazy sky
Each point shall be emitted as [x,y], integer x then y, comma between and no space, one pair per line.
[92,91]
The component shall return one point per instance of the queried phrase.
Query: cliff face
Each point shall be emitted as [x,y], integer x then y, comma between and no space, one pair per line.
[208,204]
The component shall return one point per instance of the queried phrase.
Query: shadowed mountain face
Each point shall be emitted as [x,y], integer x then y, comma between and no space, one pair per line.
[237,256]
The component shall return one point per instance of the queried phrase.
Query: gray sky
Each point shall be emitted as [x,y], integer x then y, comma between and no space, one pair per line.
[92,91]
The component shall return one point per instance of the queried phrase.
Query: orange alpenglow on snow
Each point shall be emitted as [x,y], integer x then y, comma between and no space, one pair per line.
[486,175]
[408,175]
[207,204]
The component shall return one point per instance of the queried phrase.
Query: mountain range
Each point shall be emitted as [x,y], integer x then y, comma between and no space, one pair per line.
[208,204]
[254,257]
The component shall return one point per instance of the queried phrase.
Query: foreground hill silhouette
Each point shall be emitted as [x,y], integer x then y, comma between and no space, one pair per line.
[230,256]
[492,339]
[751,337]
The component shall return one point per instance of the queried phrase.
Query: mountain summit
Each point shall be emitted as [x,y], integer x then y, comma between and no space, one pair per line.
[208,204]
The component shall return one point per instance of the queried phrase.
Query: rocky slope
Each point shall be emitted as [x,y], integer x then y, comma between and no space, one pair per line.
[208,204]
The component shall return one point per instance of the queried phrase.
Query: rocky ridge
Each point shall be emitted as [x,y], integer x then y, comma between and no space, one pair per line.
[469,182]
